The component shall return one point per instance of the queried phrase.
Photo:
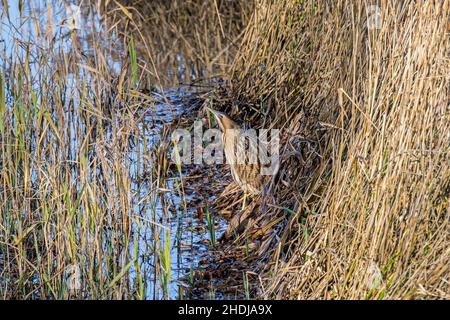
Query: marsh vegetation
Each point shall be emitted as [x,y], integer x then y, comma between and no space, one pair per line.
[93,207]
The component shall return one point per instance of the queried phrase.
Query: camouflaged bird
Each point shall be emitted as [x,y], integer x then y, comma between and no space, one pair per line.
[243,153]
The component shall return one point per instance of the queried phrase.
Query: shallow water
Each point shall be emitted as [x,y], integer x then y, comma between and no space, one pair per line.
[166,220]
[189,234]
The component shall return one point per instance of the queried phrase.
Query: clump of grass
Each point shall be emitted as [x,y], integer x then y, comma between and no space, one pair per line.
[64,199]
[79,174]
[166,264]
[211,226]
[364,113]
[183,41]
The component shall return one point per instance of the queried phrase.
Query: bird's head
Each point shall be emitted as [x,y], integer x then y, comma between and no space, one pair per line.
[223,120]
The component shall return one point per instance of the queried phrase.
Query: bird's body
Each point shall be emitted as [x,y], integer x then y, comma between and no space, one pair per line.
[245,166]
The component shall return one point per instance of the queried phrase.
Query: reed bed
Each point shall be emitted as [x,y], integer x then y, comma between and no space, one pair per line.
[183,41]
[359,210]
[81,211]
[362,97]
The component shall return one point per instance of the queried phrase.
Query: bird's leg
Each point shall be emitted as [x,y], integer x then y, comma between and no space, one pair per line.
[244,201]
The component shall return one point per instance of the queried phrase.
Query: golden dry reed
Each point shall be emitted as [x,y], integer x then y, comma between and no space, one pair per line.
[362,93]
[360,208]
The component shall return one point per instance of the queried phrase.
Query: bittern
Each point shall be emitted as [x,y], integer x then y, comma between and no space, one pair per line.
[246,172]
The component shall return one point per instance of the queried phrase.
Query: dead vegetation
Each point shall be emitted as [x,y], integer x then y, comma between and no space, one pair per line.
[366,162]
[182,41]
[360,208]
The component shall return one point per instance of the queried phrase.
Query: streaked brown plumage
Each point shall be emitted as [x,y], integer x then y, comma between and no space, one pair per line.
[246,173]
